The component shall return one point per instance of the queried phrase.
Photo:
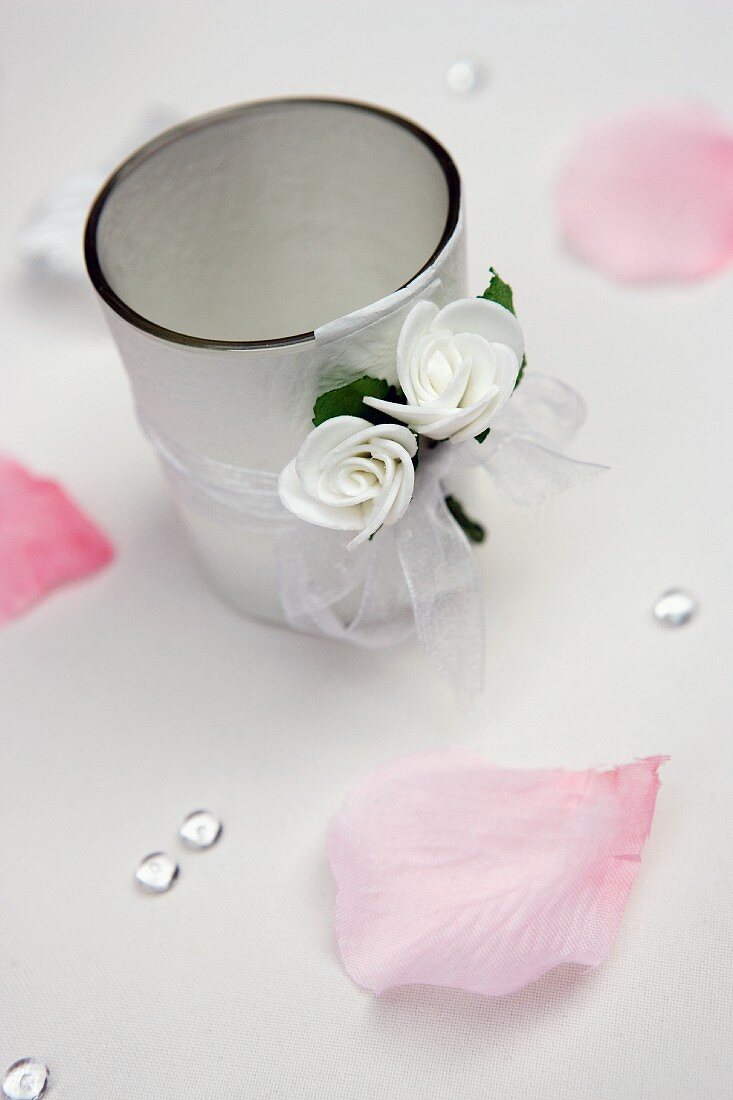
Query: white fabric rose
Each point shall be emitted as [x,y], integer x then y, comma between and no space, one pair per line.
[351,475]
[457,367]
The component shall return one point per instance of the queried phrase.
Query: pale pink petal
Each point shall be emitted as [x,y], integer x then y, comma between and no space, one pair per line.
[649,196]
[44,540]
[451,872]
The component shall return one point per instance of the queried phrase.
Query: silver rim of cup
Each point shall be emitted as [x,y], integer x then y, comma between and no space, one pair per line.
[120,307]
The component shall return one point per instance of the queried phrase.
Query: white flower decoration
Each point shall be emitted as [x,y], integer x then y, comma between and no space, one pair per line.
[457,367]
[351,475]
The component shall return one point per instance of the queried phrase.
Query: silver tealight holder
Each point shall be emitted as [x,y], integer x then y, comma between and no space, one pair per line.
[248,261]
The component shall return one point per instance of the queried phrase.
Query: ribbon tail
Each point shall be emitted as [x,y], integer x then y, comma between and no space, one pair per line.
[384,617]
[544,409]
[528,473]
[316,576]
[440,573]
[520,454]
[353,596]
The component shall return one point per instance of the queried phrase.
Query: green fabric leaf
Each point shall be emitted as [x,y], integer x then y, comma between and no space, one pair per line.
[348,400]
[500,292]
[520,376]
[482,435]
[473,531]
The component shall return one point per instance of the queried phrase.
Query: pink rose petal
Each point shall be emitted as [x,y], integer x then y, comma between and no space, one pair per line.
[452,872]
[650,195]
[44,540]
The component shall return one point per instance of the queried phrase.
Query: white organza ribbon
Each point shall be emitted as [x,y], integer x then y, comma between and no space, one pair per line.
[419,573]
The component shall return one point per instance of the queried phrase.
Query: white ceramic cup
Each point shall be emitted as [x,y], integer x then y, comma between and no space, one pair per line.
[253,258]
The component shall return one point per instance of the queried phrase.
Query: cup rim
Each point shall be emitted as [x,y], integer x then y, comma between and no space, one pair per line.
[108,295]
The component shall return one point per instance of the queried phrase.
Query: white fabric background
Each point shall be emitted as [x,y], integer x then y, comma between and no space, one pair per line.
[135,697]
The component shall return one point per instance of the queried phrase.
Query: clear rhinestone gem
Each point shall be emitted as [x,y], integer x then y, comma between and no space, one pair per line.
[675,607]
[200,829]
[157,872]
[464,76]
[25,1080]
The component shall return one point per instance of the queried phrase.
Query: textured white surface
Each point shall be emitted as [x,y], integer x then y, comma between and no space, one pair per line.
[133,698]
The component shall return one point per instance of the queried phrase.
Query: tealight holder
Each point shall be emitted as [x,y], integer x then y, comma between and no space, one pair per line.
[249,261]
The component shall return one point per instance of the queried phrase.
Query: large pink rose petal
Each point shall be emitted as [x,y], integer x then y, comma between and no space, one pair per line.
[452,872]
[649,196]
[44,540]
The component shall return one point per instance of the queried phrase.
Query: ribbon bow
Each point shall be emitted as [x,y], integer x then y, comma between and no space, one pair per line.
[420,573]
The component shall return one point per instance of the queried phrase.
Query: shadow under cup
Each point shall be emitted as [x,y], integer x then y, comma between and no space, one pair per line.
[251,259]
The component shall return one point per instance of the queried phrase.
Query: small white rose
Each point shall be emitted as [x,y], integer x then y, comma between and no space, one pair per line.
[351,475]
[457,367]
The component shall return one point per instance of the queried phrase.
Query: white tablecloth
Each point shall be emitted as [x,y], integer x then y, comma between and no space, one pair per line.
[132,698]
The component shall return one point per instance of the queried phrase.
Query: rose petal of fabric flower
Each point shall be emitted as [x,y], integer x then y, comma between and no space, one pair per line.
[650,195]
[45,540]
[457,368]
[351,475]
[452,872]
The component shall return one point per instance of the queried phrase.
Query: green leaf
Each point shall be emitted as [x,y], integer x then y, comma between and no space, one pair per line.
[520,376]
[500,292]
[348,400]
[473,531]
[482,435]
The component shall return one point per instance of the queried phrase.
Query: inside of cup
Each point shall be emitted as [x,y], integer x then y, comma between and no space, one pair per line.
[267,221]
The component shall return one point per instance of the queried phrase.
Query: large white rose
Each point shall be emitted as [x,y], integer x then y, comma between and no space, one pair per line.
[351,475]
[457,367]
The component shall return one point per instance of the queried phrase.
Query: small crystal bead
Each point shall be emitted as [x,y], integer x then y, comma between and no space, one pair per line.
[675,607]
[200,829]
[157,872]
